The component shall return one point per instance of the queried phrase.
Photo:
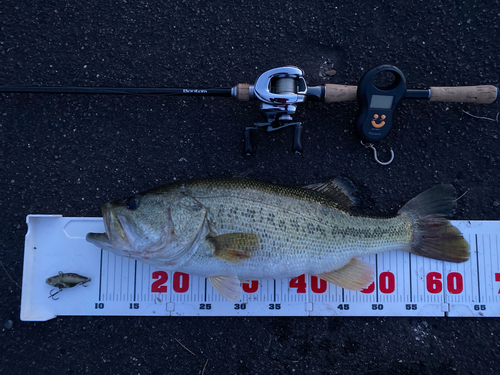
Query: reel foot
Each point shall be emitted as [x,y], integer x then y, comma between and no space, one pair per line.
[270,127]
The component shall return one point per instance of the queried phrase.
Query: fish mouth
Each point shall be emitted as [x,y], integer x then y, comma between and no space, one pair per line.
[115,236]
[100,240]
[125,237]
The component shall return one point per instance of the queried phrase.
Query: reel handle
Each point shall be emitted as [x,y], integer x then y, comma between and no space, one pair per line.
[297,140]
[248,143]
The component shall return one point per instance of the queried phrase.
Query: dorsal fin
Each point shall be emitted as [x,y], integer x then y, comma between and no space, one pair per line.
[341,190]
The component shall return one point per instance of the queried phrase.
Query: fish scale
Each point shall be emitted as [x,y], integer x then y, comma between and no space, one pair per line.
[323,239]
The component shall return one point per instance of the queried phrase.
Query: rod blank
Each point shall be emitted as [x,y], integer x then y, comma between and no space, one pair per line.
[115,90]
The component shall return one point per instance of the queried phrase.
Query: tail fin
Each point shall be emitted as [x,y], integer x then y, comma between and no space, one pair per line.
[433,235]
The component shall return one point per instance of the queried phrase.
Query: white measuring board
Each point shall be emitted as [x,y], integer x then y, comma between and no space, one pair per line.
[405,284]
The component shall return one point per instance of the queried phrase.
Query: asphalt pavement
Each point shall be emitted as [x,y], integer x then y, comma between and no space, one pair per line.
[67,154]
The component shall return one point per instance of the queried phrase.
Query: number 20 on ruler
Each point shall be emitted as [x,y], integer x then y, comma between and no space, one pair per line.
[386,282]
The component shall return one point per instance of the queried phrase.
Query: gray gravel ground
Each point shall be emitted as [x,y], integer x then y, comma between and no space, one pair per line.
[67,154]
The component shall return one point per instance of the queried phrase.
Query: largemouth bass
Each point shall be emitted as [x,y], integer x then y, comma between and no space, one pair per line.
[237,229]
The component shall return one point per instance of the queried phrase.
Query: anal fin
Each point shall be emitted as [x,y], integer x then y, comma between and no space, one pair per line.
[228,287]
[355,275]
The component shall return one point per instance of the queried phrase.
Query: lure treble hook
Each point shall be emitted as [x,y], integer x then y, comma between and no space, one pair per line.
[370,145]
[52,295]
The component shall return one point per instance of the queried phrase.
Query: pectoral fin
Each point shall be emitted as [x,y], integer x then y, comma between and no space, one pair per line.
[228,287]
[355,275]
[234,247]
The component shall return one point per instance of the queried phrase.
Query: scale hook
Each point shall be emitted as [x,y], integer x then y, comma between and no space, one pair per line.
[370,145]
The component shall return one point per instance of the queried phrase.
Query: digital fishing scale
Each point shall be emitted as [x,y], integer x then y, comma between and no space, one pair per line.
[280,90]
[377,104]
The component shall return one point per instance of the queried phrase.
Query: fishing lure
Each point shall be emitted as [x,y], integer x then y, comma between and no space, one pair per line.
[66,280]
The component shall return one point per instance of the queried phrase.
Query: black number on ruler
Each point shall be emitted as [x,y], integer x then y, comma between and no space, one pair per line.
[134,306]
[240,306]
[377,307]
[479,307]
[343,307]
[274,306]
[99,305]
[411,307]
[205,306]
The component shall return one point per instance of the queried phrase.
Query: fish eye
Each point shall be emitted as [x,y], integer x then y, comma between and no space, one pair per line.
[132,203]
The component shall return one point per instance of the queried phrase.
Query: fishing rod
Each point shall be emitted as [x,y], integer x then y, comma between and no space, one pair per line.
[279,91]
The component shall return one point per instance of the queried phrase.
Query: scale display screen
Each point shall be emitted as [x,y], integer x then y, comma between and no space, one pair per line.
[381,101]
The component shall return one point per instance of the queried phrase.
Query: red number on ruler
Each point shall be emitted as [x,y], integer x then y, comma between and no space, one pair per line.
[387,282]
[434,284]
[497,278]
[181,282]
[157,286]
[250,287]
[455,283]
[299,283]
[318,287]
[369,289]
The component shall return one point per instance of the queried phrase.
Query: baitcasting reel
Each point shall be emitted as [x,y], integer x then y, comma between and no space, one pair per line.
[279,90]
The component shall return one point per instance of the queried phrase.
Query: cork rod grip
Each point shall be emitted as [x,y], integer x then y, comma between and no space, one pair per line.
[339,93]
[470,94]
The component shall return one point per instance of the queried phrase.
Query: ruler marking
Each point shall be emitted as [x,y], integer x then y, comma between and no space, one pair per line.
[141,294]
[376,275]
[491,266]
[128,277]
[447,296]
[100,276]
[121,277]
[411,290]
[114,279]
[151,295]
[107,275]
[144,293]
[488,265]
[491,297]
[135,278]
[145,281]
[492,269]
[274,290]
[308,294]
[477,260]
[498,266]
[205,290]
